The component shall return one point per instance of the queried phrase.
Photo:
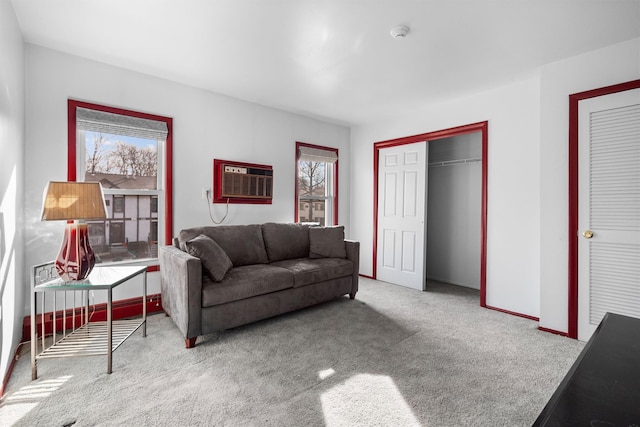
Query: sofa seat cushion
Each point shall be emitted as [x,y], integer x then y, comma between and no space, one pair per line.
[245,282]
[307,271]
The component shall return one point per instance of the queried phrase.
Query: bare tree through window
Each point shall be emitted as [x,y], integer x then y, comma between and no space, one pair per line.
[312,181]
[96,156]
[108,154]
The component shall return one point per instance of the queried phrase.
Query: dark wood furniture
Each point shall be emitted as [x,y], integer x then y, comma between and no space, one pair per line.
[602,388]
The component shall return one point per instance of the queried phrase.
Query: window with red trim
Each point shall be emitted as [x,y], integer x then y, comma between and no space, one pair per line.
[130,154]
[316,184]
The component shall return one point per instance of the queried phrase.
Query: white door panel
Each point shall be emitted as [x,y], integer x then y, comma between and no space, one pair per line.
[608,208]
[410,196]
[389,249]
[390,199]
[401,210]
[409,251]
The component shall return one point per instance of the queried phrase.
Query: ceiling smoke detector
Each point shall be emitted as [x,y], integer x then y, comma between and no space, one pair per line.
[399,32]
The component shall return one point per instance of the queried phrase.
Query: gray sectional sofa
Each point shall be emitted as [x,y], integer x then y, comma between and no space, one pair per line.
[216,278]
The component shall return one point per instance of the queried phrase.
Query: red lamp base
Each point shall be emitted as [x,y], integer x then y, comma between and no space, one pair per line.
[76,258]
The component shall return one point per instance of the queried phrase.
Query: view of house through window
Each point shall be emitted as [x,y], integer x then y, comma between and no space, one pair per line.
[316,185]
[120,162]
[124,154]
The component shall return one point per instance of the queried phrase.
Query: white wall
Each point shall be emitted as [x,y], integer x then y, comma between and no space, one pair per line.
[454,210]
[528,169]
[615,64]
[513,242]
[13,286]
[205,126]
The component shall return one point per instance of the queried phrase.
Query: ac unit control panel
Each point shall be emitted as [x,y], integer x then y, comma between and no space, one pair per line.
[234,169]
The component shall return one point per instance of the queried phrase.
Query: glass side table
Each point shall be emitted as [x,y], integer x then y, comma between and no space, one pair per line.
[72,332]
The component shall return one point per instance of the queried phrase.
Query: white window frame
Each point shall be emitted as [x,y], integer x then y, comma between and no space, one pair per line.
[77,150]
[330,196]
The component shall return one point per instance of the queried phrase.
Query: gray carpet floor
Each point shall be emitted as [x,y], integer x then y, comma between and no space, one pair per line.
[391,357]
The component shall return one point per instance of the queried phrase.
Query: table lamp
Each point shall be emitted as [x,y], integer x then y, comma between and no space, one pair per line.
[74,201]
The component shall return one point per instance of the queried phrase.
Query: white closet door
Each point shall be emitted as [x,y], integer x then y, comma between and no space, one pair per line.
[608,209]
[401,215]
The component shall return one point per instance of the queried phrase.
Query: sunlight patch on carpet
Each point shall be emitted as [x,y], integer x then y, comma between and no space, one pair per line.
[326,373]
[18,404]
[366,399]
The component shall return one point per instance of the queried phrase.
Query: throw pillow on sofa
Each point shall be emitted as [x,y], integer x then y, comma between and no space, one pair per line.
[214,259]
[327,242]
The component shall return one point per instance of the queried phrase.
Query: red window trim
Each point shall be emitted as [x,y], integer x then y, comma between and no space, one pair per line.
[72,105]
[335,179]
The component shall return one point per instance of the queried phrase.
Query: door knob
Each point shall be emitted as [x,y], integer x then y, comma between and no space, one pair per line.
[587,234]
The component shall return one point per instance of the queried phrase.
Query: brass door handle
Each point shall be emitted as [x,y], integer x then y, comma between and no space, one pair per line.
[587,234]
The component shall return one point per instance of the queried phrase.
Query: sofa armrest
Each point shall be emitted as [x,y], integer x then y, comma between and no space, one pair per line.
[181,287]
[353,255]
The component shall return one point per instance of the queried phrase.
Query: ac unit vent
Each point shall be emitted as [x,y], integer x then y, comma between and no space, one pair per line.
[242,182]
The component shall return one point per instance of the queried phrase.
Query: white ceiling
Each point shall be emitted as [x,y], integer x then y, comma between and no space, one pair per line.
[331,59]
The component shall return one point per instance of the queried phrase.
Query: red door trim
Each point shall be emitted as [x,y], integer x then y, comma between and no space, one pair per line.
[574,99]
[482,127]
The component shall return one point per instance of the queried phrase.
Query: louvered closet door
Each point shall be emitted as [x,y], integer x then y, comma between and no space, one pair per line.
[608,209]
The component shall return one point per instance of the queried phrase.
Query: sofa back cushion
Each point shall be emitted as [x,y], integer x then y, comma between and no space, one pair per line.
[327,242]
[243,243]
[285,241]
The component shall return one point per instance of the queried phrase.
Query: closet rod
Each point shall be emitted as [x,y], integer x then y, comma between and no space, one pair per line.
[456,162]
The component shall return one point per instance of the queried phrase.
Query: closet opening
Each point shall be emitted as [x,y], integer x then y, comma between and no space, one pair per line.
[454,202]
[449,160]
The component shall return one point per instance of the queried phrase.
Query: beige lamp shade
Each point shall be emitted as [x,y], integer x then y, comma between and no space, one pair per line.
[73,200]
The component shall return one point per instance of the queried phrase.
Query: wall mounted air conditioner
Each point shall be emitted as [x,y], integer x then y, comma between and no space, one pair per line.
[238,182]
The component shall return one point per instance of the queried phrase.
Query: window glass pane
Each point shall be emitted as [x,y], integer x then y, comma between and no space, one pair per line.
[312,178]
[128,163]
[118,204]
[130,230]
[119,161]
[312,211]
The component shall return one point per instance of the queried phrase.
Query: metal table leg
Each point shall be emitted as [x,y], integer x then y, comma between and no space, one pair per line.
[109,331]
[144,304]
[34,336]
